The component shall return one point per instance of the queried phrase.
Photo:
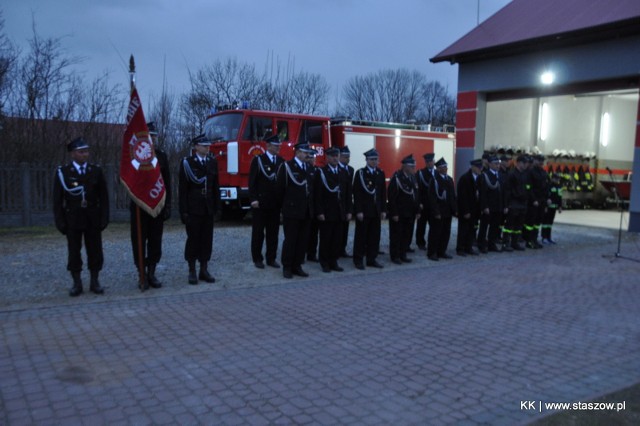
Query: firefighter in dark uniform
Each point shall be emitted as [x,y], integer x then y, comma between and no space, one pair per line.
[369,207]
[199,194]
[538,202]
[333,205]
[491,207]
[295,193]
[403,207]
[516,200]
[442,207]
[468,195]
[345,157]
[151,228]
[81,210]
[314,229]
[265,211]
[424,177]
[555,195]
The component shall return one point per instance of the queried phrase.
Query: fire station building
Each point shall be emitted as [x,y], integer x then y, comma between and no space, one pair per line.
[559,78]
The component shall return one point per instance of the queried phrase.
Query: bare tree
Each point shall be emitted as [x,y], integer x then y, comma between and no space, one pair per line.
[396,96]
[8,59]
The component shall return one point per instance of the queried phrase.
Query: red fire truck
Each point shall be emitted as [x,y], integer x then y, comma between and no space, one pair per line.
[239,134]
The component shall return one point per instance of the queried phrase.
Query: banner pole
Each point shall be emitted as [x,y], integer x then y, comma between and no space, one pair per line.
[141,272]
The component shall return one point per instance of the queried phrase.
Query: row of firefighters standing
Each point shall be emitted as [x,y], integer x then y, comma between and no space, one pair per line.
[497,207]
[506,204]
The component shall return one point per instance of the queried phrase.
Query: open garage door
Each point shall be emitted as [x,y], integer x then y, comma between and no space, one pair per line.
[582,136]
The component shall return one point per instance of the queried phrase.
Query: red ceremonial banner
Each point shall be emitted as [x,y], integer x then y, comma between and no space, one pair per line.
[139,168]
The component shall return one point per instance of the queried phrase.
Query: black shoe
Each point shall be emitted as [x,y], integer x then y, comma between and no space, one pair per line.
[433,257]
[359,266]
[193,278]
[273,264]
[507,248]
[299,272]
[396,260]
[152,281]
[405,259]
[375,264]
[337,268]
[345,255]
[471,252]
[460,253]
[493,248]
[95,284]
[444,256]
[325,268]
[380,252]
[423,248]
[287,273]
[206,276]
[75,291]
[259,265]
[537,245]
[517,247]
[484,250]
[410,250]
[312,258]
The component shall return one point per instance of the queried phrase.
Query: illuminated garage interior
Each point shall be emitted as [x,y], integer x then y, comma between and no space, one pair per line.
[562,79]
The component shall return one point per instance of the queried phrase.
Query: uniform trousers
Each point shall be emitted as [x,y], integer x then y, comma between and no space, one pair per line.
[439,234]
[345,236]
[264,221]
[294,246]
[515,223]
[547,222]
[199,238]
[330,241]
[366,239]
[466,233]
[421,229]
[489,231]
[93,243]
[151,229]
[400,234]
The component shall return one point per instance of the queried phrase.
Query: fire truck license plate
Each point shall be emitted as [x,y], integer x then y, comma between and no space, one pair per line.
[228,193]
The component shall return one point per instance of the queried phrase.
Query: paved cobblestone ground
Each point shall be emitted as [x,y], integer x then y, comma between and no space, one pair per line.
[452,342]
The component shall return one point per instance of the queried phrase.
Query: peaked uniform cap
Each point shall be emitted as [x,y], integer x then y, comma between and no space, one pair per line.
[345,150]
[77,143]
[441,162]
[429,156]
[477,162]
[409,160]
[273,140]
[333,151]
[200,140]
[371,153]
[152,128]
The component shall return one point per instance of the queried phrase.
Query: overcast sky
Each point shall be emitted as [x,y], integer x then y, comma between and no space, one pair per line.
[338,39]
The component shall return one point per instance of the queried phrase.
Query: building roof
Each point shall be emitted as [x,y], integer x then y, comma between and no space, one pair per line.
[525,24]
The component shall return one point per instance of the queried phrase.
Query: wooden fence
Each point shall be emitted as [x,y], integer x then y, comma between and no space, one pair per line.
[26,194]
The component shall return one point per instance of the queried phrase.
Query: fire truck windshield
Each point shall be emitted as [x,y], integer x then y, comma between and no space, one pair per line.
[223,127]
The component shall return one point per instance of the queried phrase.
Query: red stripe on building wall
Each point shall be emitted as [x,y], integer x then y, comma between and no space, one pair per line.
[467,100]
[465,138]
[466,119]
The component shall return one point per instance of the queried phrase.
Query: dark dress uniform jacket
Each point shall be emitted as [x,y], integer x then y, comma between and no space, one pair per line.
[442,197]
[262,181]
[296,198]
[468,195]
[199,198]
[68,209]
[403,197]
[369,192]
[332,193]
[424,178]
[491,192]
[516,192]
